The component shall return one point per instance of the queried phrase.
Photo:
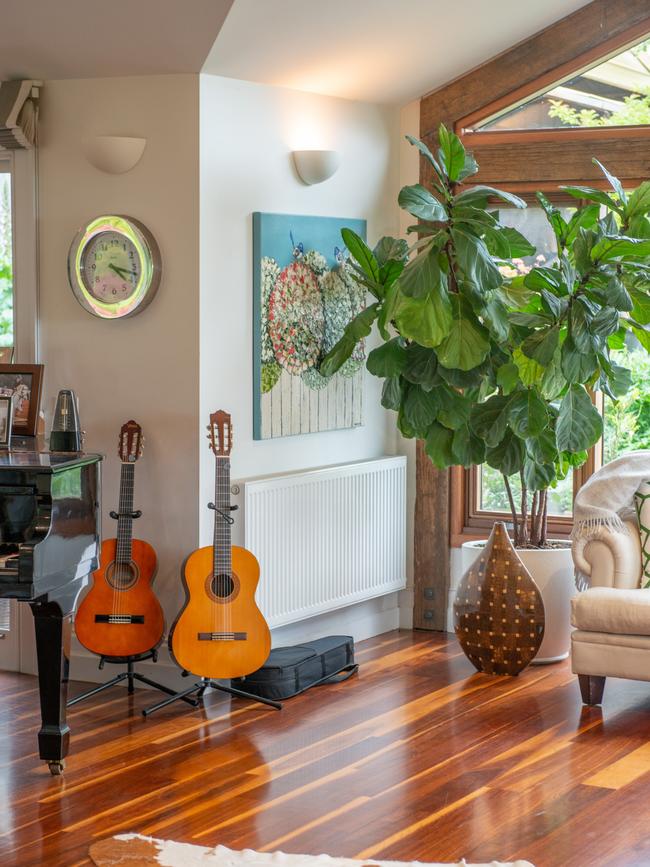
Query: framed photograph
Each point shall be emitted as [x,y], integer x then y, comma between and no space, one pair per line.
[24,383]
[6,418]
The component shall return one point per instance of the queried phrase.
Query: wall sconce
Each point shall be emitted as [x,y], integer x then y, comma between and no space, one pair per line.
[314,167]
[114,154]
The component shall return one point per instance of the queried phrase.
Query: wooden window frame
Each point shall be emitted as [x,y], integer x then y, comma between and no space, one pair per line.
[520,161]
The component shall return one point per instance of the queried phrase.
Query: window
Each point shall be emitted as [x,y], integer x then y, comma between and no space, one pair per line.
[6,258]
[615,92]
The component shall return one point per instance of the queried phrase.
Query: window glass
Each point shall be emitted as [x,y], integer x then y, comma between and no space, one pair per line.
[492,494]
[6,265]
[615,92]
[627,421]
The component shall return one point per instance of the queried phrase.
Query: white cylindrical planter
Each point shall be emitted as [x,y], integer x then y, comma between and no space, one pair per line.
[552,570]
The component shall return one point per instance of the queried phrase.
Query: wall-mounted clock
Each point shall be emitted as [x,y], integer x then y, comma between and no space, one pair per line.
[114,266]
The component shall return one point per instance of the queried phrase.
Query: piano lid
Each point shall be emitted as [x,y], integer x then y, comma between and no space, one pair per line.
[23,459]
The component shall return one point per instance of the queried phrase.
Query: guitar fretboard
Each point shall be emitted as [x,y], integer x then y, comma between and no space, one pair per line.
[222,556]
[125,510]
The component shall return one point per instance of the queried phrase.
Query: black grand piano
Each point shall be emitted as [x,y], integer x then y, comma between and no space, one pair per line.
[49,544]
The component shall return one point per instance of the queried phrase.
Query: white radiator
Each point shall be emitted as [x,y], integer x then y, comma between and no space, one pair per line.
[327,538]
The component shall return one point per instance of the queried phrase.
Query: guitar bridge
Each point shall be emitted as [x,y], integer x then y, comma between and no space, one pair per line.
[119,618]
[222,636]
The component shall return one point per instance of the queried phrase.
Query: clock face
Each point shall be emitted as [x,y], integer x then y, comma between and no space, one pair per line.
[114,267]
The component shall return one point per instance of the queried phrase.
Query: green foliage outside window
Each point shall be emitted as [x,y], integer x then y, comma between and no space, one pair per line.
[6,270]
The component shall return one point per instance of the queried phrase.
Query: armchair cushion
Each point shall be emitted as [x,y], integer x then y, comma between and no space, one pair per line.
[612,610]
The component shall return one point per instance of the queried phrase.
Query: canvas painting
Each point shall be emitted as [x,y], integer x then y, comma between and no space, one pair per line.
[304,296]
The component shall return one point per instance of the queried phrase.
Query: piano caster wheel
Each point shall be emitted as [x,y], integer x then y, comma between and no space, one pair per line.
[56,768]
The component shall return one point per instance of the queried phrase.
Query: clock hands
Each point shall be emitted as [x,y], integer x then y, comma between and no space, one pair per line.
[121,272]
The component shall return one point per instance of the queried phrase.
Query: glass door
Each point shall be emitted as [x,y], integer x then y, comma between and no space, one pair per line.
[9,619]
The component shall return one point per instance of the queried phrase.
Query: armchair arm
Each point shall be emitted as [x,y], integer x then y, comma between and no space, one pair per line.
[610,559]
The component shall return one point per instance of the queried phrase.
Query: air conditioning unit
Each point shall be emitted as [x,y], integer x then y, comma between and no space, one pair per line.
[18,114]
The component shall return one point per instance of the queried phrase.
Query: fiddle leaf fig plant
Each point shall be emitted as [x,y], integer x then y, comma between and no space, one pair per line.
[489,364]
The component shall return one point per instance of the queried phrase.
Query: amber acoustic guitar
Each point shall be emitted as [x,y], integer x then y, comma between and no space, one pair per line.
[220,633]
[120,616]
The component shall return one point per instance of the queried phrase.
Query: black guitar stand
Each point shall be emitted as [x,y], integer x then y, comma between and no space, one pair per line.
[200,688]
[129,675]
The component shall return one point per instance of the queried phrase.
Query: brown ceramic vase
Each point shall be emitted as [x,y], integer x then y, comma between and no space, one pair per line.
[498,611]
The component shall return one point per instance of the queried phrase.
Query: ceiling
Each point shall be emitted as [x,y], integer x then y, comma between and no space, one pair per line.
[385,51]
[388,51]
[52,39]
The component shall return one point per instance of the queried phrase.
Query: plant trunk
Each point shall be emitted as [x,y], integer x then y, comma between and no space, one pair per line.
[529,528]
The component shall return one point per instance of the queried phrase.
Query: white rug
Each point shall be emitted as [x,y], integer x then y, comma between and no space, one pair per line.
[134,850]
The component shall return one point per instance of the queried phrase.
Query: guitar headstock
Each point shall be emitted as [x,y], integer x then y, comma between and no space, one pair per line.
[131,442]
[220,433]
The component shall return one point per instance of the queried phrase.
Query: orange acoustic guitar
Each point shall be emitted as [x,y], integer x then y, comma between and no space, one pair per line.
[120,616]
[220,633]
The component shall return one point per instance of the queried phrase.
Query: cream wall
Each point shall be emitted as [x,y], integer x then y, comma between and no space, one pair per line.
[247,133]
[145,367]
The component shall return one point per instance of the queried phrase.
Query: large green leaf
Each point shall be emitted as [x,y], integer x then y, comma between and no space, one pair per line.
[579,425]
[639,202]
[391,393]
[508,456]
[476,263]
[605,322]
[467,343]
[640,306]
[387,360]
[438,445]
[421,366]
[617,295]
[361,253]
[355,331]
[527,413]
[455,407]
[490,419]
[426,153]
[426,320]
[508,377]
[618,247]
[481,192]
[614,182]
[541,345]
[467,449]
[577,366]
[518,244]
[592,195]
[420,408]
[543,447]
[543,278]
[422,275]
[580,319]
[553,382]
[389,249]
[419,202]
[530,372]
[537,476]
[452,152]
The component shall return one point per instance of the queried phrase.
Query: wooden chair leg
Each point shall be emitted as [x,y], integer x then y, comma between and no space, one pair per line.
[591,687]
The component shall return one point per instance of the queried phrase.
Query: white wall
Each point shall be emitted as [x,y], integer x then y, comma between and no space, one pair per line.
[145,367]
[247,133]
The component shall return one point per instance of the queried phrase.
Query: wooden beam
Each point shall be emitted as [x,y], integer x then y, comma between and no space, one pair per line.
[569,45]
[431,544]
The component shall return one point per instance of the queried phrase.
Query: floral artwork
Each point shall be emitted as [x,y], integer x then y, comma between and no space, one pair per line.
[305,295]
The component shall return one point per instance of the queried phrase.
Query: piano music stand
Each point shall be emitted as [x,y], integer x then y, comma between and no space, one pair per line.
[129,675]
[200,687]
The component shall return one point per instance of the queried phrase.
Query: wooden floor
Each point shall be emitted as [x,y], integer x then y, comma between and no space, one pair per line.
[418,757]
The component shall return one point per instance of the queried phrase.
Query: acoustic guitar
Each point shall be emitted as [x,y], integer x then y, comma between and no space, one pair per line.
[120,616]
[220,632]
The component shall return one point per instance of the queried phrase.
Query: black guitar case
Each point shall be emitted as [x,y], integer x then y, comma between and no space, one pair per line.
[291,670]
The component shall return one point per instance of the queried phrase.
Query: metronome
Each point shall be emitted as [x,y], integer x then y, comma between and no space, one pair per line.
[66,431]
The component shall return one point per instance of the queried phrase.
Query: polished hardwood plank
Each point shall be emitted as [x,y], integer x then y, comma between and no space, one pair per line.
[417,757]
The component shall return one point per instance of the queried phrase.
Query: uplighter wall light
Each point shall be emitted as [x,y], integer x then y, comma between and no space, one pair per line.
[114,154]
[315,166]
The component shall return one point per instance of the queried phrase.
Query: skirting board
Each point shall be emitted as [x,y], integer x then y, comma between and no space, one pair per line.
[363,620]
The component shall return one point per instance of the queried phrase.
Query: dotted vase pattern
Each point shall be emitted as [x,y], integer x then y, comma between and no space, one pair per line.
[498,610]
[642,503]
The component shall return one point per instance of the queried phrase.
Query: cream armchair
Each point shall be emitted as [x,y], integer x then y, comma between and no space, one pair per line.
[612,617]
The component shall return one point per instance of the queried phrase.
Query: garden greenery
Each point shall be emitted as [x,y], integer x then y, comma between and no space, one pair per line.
[490,368]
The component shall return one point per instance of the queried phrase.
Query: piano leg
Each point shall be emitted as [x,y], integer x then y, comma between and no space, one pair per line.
[53,629]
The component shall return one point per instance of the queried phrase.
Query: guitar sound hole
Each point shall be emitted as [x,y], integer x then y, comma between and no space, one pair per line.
[122,576]
[222,586]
